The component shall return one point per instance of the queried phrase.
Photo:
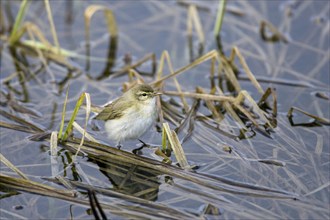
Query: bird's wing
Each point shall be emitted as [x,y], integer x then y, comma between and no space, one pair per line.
[110,111]
[107,113]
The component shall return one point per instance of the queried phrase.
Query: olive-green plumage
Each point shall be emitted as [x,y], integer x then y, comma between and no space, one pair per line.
[115,109]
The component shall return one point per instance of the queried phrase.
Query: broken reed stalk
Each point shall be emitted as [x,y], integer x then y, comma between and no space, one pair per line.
[229,108]
[110,21]
[108,16]
[225,63]
[235,101]
[317,119]
[226,66]
[53,143]
[244,95]
[175,144]
[53,151]
[276,34]
[196,62]
[166,57]
[235,52]
[133,73]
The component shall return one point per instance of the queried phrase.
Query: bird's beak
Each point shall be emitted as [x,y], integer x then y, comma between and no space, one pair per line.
[157,93]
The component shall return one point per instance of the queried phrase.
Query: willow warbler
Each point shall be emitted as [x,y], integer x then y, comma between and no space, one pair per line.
[130,115]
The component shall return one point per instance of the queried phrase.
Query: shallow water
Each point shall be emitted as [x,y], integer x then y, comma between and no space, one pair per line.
[152,27]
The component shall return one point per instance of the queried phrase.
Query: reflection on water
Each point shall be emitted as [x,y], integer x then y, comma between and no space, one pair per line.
[111,58]
[131,179]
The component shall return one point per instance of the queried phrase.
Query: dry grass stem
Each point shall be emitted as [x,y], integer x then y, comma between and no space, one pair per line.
[245,95]
[83,132]
[235,52]
[194,20]
[217,115]
[12,167]
[229,108]
[138,63]
[166,57]
[276,34]
[108,15]
[21,121]
[175,146]
[198,61]
[200,96]
[33,187]
[52,26]
[316,118]
[243,151]
[53,143]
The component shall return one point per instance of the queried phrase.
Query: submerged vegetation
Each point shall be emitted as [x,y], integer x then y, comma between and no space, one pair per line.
[224,146]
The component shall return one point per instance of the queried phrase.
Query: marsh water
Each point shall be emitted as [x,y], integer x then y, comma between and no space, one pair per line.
[297,67]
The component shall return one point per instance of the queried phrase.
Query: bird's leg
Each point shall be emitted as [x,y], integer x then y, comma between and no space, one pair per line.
[119,145]
[144,144]
[137,150]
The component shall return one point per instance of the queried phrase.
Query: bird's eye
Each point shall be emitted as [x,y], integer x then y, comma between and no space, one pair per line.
[144,94]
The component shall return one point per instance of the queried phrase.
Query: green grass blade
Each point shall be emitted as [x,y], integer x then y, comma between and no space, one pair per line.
[63,114]
[14,36]
[68,129]
[219,19]
[163,139]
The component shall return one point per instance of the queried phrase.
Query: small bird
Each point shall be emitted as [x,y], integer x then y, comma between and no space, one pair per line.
[130,115]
